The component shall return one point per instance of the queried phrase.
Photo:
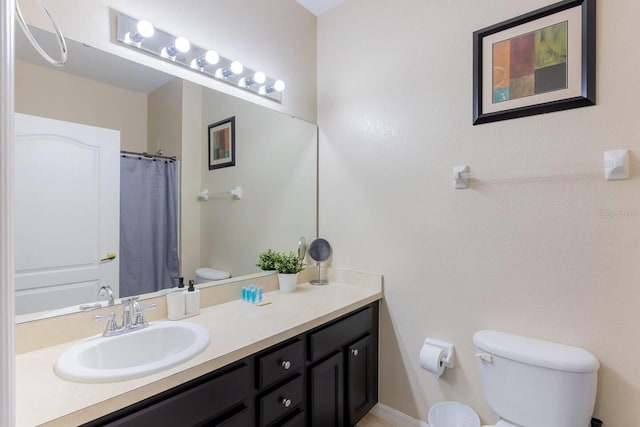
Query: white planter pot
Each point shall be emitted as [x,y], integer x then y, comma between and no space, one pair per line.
[287,282]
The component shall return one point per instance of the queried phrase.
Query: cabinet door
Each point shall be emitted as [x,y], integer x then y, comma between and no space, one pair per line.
[326,399]
[362,387]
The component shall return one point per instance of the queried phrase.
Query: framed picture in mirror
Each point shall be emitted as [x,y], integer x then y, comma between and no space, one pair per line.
[222,144]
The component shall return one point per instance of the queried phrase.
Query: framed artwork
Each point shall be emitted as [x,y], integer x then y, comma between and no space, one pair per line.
[222,144]
[536,63]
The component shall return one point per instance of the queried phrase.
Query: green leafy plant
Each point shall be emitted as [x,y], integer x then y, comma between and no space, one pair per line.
[288,263]
[267,260]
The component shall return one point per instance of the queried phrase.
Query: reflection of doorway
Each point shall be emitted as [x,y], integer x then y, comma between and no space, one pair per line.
[67,196]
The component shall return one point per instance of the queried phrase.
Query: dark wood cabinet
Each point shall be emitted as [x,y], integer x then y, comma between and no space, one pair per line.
[326,393]
[362,378]
[346,383]
[326,377]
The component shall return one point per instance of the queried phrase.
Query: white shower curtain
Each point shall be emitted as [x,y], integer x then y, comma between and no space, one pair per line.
[148,225]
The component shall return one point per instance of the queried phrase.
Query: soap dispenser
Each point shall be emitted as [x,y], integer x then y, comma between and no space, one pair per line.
[176,302]
[192,299]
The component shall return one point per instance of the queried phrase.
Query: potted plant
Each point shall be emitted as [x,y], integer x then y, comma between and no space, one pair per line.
[288,266]
[267,260]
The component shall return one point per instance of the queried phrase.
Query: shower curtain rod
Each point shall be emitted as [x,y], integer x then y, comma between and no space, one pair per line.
[148,155]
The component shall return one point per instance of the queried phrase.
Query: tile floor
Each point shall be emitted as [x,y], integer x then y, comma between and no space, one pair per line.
[370,420]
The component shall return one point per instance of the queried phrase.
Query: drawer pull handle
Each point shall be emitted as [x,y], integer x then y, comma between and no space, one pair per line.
[355,352]
[286,364]
[286,402]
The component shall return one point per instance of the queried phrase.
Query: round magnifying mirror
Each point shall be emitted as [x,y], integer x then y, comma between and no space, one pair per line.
[319,251]
[302,248]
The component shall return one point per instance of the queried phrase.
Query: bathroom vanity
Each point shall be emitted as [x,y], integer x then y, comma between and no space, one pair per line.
[310,358]
[327,376]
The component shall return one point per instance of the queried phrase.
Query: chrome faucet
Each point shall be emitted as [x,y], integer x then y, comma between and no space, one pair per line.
[109,292]
[110,299]
[132,318]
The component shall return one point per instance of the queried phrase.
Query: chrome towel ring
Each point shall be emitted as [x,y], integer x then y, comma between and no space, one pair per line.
[63,45]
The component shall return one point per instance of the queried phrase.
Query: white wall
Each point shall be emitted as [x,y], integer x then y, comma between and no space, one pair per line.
[278,36]
[554,258]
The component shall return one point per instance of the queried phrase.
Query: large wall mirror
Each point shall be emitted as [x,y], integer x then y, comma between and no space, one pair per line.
[151,112]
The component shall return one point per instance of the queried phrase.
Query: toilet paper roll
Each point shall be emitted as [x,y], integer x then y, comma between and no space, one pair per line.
[431,359]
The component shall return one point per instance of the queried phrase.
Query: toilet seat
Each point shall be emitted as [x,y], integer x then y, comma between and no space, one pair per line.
[502,423]
[212,274]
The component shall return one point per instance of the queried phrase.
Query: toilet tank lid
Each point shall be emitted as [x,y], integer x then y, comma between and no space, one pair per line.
[536,352]
[212,273]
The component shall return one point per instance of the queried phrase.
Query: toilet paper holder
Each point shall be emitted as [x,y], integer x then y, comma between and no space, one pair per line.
[448,359]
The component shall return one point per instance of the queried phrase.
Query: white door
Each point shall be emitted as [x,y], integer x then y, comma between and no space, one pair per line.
[66,212]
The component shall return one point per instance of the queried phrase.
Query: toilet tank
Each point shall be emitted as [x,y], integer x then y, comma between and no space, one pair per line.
[536,383]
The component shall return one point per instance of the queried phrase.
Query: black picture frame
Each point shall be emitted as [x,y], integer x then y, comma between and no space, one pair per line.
[222,143]
[581,93]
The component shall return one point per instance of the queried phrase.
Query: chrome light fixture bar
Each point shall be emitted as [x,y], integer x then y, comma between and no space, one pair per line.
[141,35]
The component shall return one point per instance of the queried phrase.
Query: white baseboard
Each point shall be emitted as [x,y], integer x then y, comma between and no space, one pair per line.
[396,418]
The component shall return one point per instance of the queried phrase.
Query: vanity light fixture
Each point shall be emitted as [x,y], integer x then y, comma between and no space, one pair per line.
[141,35]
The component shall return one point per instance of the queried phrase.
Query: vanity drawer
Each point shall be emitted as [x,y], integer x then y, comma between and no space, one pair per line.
[195,405]
[296,421]
[281,401]
[339,334]
[241,419]
[280,363]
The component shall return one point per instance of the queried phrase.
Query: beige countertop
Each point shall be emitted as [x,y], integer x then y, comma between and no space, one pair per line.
[238,329]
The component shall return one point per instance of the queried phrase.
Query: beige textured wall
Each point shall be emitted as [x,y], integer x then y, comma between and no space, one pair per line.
[554,258]
[278,36]
[46,92]
[164,125]
[190,180]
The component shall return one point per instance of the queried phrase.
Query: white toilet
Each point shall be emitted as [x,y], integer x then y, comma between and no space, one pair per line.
[534,383]
[206,274]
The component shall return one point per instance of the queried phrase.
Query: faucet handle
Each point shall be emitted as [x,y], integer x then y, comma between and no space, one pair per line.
[112,325]
[138,314]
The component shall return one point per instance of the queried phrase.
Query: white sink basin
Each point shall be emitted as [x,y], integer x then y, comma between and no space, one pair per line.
[160,346]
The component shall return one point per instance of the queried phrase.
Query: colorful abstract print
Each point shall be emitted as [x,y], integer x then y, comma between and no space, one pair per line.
[530,64]
[222,144]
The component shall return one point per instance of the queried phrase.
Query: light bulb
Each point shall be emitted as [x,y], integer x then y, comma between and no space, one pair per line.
[236,67]
[279,85]
[212,57]
[182,45]
[145,29]
[259,77]
[209,58]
